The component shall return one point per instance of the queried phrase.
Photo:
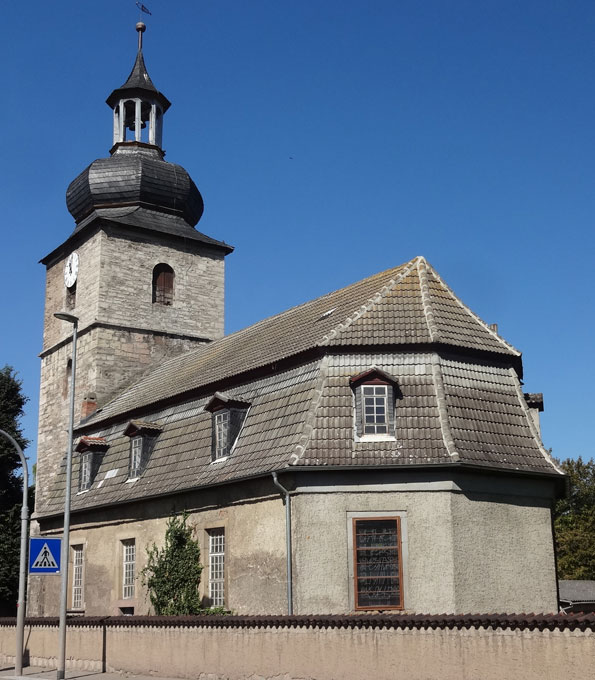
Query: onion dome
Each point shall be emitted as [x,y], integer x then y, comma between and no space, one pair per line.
[136,174]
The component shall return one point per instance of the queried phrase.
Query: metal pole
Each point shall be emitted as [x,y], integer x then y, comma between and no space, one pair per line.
[65,539]
[18,663]
[285,492]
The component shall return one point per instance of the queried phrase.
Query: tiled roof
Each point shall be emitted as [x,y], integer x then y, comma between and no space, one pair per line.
[453,406]
[181,457]
[407,305]
[135,216]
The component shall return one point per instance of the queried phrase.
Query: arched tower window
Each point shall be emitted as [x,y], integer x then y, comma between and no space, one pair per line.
[163,285]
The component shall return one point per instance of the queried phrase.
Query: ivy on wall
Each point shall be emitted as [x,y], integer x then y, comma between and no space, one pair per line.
[172,574]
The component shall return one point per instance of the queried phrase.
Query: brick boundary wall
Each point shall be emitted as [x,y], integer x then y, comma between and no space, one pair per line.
[419,647]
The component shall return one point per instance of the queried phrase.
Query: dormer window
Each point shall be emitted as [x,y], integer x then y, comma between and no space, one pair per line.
[375,394]
[85,475]
[91,450]
[221,444]
[163,285]
[136,457]
[375,405]
[142,440]
[228,417]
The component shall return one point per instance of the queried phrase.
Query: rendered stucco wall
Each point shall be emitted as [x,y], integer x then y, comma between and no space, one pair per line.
[467,548]
[323,653]
[322,555]
[504,554]
[480,546]
[254,556]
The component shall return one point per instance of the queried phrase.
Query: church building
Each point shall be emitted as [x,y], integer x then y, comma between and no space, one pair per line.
[370,450]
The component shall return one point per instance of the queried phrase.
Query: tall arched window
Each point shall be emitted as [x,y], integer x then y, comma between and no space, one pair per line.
[163,285]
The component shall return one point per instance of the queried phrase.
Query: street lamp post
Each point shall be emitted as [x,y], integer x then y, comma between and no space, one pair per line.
[61,672]
[18,663]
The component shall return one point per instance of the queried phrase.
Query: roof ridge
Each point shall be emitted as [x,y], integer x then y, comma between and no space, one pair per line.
[471,312]
[519,392]
[309,302]
[310,419]
[445,429]
[422,271]
[371,302]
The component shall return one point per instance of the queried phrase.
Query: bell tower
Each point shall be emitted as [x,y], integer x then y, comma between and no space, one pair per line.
[143,282]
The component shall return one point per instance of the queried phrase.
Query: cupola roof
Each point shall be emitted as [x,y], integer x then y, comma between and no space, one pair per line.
[135,186]
[139,80]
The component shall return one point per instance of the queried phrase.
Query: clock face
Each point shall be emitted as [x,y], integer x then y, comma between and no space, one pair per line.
[71,269]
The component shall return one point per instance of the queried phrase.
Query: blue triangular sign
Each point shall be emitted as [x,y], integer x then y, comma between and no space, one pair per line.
[44,555]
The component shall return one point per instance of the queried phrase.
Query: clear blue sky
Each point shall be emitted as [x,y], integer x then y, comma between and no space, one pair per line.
[332,139]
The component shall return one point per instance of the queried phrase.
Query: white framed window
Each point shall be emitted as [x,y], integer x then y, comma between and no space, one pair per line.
[77,576]
[227,420]
[375,406]
[85,471]
[221,434]
[128,568]
[375,398]
[217,567]
[136,457]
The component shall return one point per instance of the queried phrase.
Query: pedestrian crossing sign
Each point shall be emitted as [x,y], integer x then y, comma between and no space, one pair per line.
[44,555]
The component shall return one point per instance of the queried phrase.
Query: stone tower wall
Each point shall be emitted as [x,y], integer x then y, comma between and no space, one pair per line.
[108,361]
[122,334]
[125,286]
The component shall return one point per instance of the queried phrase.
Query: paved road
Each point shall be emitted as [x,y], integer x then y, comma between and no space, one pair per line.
[31,673]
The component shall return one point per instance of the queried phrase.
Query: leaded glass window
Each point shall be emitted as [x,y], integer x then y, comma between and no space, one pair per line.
[377,563]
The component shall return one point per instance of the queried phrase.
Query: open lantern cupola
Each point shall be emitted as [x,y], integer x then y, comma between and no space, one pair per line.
[138,105]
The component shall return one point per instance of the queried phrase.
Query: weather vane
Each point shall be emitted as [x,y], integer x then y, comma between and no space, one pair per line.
[142,8]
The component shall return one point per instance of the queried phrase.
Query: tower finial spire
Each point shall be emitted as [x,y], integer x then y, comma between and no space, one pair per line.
[141,28]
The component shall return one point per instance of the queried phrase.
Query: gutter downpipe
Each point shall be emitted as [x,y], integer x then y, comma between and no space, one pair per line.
[18,664]
[287,502]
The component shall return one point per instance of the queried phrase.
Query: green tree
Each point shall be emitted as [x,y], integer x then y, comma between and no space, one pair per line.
[12,403]
[574,522]
[172,574]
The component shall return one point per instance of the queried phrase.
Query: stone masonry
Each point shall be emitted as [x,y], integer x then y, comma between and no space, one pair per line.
[122,334]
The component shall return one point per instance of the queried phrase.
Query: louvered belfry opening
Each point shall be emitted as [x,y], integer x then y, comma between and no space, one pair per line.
[163,285]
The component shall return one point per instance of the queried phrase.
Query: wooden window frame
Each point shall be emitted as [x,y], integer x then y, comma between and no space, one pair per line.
[163,285]
[399,550]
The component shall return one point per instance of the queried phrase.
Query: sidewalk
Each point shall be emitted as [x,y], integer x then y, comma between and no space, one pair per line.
[31,672]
